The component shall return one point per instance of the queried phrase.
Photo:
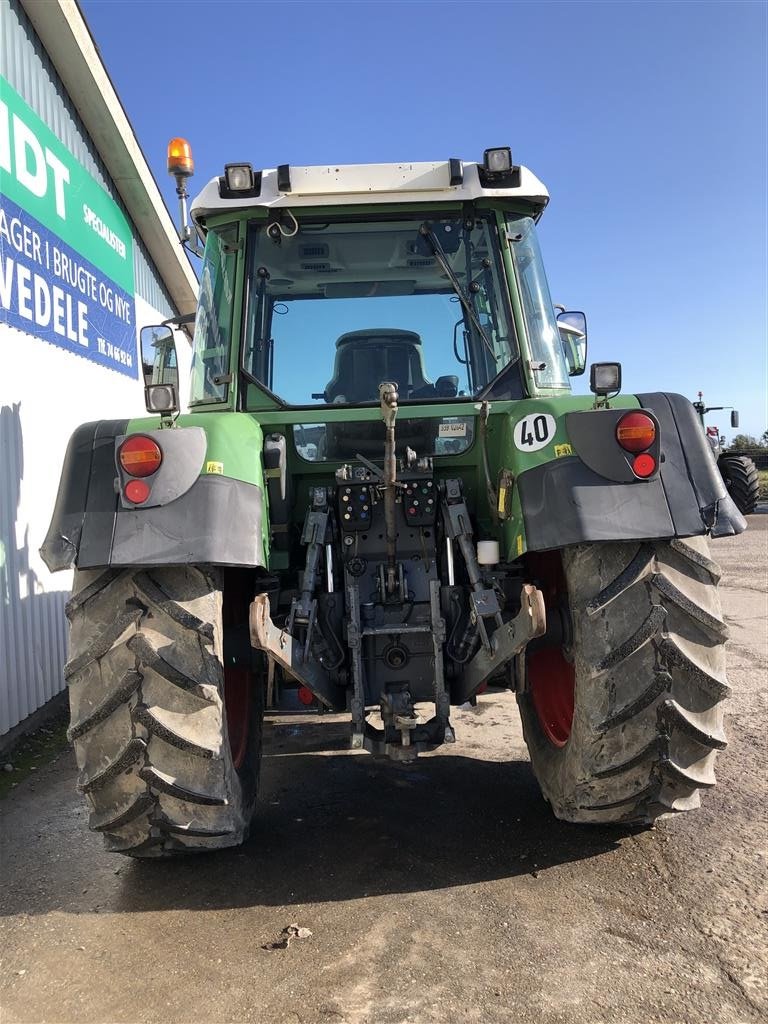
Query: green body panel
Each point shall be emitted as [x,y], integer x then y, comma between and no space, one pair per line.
[235,441]
[235,444]
[505,455]
[234,447]
[235,438]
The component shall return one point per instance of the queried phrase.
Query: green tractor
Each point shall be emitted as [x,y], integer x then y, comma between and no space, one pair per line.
[384,500]
[738,471]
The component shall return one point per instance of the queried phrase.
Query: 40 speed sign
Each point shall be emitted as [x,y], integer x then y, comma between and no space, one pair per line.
[534,432]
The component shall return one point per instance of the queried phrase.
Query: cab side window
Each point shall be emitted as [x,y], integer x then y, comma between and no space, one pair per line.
[213,323]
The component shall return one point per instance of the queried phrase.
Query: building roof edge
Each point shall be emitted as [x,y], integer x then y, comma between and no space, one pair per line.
[67,38]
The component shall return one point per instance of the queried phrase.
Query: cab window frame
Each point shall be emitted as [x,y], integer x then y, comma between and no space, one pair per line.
[268,399]
[218,232]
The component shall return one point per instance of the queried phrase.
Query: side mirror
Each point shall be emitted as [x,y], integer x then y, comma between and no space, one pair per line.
[160,368]
[735,418]
[573,337]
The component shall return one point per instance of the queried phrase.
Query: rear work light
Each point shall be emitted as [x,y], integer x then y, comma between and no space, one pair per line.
[140,456]
[635,432]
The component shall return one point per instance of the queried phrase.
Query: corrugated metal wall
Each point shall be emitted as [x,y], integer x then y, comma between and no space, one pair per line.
[25,64]
[33,633]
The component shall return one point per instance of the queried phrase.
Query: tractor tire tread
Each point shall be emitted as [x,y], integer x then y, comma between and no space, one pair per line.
[130,753]
[648,713]
[116,817]
[742,481]
[148,717]
[146,682]
[128,685]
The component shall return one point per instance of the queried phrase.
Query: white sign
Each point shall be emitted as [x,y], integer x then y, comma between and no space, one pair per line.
[452,429]
[534,432]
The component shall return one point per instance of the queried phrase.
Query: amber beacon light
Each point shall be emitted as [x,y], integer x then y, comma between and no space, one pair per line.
[180,162]
[182,166]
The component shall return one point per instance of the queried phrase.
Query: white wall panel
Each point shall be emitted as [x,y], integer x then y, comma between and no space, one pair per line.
[45,393]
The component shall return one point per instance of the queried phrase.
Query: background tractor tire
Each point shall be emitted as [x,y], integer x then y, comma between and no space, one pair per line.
[742,481]
[147,691]
[623,723]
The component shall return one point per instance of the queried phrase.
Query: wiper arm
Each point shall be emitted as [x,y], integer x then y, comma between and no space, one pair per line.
[464,299]
[261,304]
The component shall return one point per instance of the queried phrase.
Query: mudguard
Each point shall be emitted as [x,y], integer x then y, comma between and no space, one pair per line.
[582,498]
[195,514]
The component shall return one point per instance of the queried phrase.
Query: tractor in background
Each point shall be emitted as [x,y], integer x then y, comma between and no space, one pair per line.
[738,471]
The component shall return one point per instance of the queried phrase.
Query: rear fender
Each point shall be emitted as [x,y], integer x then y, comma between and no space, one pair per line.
[206,502]
[589,494]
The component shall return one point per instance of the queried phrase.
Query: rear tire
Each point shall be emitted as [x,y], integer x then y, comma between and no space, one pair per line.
[742,481]
[147,690]
[647,664]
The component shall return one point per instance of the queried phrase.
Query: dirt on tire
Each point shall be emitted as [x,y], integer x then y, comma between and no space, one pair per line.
[146,685]
[649,665]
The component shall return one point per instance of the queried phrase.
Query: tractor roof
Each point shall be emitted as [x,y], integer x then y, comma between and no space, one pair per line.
[350,184]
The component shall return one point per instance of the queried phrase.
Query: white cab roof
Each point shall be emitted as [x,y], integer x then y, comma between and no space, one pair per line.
[350,184]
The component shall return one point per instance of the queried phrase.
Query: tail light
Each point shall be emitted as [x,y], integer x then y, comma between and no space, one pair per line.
[136,491]
[635,432]
[140,456]
[644,465]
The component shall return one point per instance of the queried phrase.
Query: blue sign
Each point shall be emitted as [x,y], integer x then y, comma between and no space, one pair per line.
[50,290]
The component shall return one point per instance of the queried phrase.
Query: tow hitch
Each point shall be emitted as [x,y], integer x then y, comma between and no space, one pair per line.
[385,530]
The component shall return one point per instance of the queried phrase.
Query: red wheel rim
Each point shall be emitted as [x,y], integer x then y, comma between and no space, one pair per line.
[237,705]
[551,679]
[552,684]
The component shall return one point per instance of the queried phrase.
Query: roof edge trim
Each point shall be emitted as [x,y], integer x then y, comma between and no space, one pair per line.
[67,39]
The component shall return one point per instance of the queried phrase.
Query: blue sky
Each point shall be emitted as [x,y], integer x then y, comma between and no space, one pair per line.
[647,122]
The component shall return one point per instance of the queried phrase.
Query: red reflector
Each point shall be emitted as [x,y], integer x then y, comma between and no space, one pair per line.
[136,491]
[643,465]
[305,695]
[140,456]
[635,432]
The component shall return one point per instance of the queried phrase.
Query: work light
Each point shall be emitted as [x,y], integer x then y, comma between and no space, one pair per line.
[498,161]
[238,177]
[604,378]
[161,398]
[239,181]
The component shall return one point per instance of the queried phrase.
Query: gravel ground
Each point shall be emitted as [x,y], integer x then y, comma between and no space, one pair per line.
[438,891]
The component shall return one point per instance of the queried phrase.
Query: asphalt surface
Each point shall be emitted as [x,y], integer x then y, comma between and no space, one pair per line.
[442,891]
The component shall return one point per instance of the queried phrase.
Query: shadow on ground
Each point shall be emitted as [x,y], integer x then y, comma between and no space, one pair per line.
[343,826]
[334,827]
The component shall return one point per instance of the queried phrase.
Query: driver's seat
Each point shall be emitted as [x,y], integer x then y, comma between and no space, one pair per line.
[364,359]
